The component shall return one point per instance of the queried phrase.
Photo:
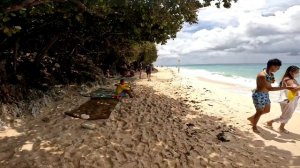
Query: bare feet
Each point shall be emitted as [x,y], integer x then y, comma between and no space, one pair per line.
[269,123]
[255,130]
[282,130]
[251,119]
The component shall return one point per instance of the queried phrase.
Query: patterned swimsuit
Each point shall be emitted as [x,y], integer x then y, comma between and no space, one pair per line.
[261,99]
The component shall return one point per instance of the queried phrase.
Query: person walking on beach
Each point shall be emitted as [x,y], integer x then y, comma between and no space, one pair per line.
[260,95]
[289,103]
[140,67]
[148,71]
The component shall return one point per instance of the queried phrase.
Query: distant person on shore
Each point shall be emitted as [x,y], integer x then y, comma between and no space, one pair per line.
[260,95]
[140,68]
[289,99]
[148,71]
[122,89]
[108,75]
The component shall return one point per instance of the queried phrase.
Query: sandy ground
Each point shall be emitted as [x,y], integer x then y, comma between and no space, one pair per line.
[172,122]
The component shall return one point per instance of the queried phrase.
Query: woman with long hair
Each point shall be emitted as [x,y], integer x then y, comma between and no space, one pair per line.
[290,102]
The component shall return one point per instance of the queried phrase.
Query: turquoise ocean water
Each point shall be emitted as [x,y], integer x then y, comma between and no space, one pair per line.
[239,74]
[243,76]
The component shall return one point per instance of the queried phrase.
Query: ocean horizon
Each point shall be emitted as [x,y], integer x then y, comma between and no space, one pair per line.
[243,76]
[237,74]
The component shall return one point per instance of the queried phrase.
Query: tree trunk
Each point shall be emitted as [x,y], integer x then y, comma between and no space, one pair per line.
[39,57]
[16,56]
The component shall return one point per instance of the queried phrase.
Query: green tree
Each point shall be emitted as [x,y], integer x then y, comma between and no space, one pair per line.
[46,42]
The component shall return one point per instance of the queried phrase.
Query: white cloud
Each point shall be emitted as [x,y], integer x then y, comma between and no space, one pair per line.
[249,28]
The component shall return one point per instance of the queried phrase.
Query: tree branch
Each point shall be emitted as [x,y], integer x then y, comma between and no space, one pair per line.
[17,46]
[81,6]
[46,48]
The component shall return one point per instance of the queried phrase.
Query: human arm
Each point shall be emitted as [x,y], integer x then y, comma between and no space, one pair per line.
[290,83]
[291,88]
[297,88]
[280,88]
[125,86]
[293,83]
[263,83]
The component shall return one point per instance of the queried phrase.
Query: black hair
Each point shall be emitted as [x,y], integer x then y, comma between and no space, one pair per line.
[288,74]
[122,80]
[273,62]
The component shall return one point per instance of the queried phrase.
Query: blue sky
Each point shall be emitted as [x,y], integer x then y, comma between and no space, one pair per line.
[251,31]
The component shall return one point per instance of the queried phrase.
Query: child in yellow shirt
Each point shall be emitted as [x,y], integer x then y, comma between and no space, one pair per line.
[123,88]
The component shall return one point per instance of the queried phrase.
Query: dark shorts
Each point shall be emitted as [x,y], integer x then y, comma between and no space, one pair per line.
[260,99]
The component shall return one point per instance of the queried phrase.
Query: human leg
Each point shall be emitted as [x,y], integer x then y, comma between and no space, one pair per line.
[129,93]
[262,104]
[267,108]
[287,110]
[281,128]
[255,118]
[140,72]
[283,106]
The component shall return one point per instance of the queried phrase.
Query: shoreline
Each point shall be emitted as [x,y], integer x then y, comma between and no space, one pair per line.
[236,88]
[243,102]
[172,121]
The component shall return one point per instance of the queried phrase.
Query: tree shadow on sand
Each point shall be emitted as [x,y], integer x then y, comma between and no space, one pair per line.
[151,130]
[276,135]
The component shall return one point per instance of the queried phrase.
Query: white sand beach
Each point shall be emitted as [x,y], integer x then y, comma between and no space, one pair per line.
[172,122]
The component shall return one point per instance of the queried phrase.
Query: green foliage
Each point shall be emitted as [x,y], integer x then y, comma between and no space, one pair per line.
[106,32]
[142,52]
[149,20]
